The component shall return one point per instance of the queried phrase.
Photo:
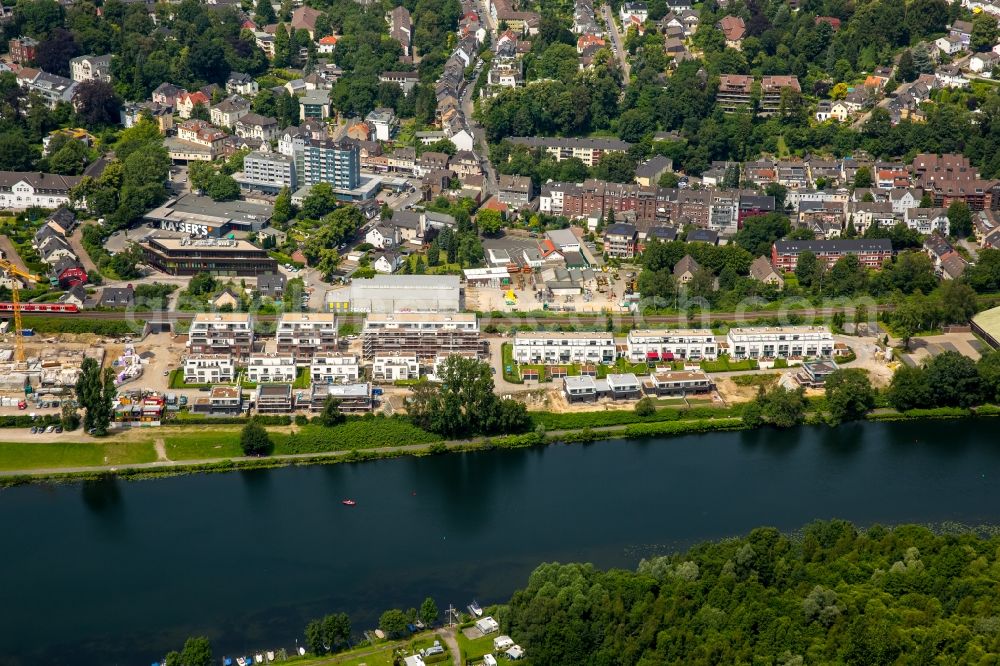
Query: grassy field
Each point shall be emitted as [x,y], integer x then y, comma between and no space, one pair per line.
[474,649]
[41,455]
[199,445]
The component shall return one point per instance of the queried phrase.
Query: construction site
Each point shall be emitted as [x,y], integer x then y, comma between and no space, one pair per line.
[48,373]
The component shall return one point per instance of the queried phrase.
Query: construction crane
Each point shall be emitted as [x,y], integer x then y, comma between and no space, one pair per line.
[14,271]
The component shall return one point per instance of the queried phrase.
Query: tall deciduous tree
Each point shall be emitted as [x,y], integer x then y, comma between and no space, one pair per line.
[95,392]
[849,394]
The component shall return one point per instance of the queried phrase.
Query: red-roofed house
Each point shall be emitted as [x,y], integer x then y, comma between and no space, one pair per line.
[187,102]
[327,44]
[734,29]
[588,41]
[831,21]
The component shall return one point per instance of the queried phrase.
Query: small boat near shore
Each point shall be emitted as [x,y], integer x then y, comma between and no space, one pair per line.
[475,609]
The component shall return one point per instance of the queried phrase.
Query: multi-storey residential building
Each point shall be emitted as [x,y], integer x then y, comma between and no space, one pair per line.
[735,91]
[652,345]
[589,151]
[928,220]
[275,399]
[559,348]
[328,161]
[229,110]
[383,122]
[91,68]
[425,335]
[314,105]
[201,133]
[222,333]
[771,90]
[393,366]
[401,27]
[307,334]
[872,253]
[209,369]
[267,172]
[620,240]
[20,190]
[256,126]
[239,83]
[22,50]
[515,191]
[271,368]
[780,342]
[53,89]
[334,369]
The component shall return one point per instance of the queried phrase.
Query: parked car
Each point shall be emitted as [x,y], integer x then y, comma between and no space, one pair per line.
[58,429]
[34,429]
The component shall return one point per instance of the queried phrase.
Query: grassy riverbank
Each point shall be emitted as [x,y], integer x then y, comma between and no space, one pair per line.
[216,449]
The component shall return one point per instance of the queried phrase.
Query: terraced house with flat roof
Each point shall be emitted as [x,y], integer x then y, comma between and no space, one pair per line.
[307,334]
[552,347]
[222,333]
[425,335]
[652,345]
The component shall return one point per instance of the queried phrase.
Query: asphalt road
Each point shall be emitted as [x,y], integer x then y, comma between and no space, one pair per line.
[616,40]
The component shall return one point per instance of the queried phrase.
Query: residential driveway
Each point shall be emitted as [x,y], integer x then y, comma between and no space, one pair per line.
[76,242]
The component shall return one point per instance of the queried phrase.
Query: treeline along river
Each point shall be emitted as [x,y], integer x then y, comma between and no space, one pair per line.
[119,572]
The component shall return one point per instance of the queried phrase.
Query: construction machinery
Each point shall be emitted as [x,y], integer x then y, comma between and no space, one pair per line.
[15,272]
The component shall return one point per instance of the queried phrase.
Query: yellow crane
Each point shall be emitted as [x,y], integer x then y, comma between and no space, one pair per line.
[14,271]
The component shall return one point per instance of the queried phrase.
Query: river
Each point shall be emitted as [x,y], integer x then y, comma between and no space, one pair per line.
[120,572]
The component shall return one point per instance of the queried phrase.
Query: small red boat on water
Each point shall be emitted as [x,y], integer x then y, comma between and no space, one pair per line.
[348,502]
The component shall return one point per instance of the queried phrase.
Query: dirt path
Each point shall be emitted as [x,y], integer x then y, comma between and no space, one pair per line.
[448,636]
[161,450]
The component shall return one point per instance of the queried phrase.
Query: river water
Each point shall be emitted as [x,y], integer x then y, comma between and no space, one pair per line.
[120,572]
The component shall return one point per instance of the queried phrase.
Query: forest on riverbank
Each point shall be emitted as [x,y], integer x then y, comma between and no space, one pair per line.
[833,594]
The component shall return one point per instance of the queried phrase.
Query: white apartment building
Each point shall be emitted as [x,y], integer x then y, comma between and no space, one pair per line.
[209,369]
[391,367]
[668,345]
[307,334]
[424,335]
[780,342]
[91,68]
[264,368]
[20,190]
[221,333]
[334,369]
[556,348]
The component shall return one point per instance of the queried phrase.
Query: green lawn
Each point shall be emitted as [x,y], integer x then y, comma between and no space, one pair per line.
[474,649]
[40,455]
[198,445]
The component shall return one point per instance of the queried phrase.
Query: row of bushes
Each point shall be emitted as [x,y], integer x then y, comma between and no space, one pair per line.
[26,421]
[577,420]
[69,324]
[365,432]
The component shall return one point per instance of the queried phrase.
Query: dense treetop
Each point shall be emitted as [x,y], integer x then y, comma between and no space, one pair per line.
[835,595]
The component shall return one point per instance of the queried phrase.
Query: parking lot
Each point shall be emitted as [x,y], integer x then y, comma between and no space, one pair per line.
[924,348]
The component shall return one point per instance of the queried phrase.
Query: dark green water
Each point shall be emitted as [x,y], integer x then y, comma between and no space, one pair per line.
[121,572]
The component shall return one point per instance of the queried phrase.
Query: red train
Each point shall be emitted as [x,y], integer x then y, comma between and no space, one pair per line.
[63,308]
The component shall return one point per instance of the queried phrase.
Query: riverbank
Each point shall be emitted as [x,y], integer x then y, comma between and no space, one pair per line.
[143,459]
